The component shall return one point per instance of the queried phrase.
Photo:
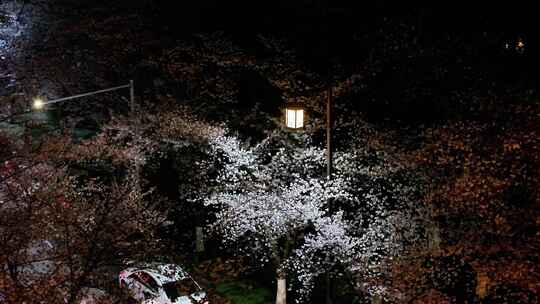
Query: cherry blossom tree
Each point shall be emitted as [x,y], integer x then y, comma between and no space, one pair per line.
[273,204]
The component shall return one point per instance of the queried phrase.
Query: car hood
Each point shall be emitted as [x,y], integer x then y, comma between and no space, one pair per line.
[163,273]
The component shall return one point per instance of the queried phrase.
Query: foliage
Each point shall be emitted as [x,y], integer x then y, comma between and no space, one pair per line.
[301,222]
[244,294]
[482,197]
[60,232]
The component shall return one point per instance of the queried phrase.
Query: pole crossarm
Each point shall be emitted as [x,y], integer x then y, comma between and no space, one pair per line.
[87,94]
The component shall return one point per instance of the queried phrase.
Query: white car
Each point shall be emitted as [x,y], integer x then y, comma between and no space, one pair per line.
[158,283]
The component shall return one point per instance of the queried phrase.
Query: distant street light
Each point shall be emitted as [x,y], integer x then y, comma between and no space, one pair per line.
[520,45]
[39,103]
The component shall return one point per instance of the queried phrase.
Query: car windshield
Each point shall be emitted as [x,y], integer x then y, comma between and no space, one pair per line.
[146,280]
[181,288]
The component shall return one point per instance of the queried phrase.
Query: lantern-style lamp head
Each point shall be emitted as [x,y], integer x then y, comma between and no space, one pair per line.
[294,116]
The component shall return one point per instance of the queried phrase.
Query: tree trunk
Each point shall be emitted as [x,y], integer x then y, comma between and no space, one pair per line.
[434,239]
[281,293]
[376,299]
[328,289]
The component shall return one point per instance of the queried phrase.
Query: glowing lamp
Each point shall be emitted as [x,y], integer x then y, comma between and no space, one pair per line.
[294,116]
[38,103]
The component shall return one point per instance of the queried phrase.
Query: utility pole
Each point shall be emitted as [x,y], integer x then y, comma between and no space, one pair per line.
[329,125]
[131,96]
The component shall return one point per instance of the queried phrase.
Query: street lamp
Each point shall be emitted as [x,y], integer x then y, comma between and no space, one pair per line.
[294,119]
[39,103]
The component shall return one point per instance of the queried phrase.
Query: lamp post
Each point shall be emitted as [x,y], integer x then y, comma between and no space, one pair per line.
[294,119]
[40,103]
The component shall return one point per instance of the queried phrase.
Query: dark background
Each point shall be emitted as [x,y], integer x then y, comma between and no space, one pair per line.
[423,56]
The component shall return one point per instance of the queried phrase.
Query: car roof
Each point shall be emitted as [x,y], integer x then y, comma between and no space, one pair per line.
[162,273]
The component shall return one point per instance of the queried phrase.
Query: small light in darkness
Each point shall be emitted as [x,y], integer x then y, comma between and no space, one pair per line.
[38,103]
[520,45]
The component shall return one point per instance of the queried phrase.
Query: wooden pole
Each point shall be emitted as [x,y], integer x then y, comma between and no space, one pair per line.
[329,125]
[131,96]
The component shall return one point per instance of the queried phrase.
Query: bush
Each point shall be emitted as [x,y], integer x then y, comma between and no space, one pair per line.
[244,293]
